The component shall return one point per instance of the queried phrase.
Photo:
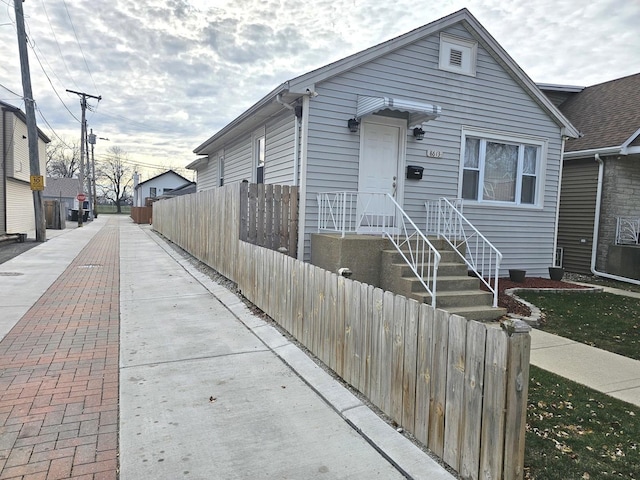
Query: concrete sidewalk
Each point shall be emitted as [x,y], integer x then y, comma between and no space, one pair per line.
[206,389]
[209,390]
[603,371]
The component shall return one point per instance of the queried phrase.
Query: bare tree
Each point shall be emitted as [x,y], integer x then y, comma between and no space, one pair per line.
[63,158]
[114,176]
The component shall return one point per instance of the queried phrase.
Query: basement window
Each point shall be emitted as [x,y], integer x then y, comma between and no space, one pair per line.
[458,55]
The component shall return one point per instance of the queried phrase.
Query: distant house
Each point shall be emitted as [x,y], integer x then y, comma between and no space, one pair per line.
[65,190]
[600,196]
[157,186]
[16,198]
[441,111]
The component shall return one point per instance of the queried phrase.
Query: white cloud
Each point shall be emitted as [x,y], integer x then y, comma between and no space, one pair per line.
[172,72]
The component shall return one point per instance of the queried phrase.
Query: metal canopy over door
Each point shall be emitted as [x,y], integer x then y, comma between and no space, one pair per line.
[382,146]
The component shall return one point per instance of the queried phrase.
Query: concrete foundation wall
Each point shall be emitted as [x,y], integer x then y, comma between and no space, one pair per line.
[624,260]
[359,253]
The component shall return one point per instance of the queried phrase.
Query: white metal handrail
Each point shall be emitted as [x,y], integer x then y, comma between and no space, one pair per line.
[446,220]
[378,213]
[627,231]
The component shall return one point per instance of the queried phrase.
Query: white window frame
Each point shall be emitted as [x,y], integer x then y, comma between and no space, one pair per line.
[468,50]
[258,152]
[221,170]
[521,141]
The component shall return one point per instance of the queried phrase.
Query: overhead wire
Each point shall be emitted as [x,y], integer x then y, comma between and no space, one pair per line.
[55,38]
[79,46]
[51,83]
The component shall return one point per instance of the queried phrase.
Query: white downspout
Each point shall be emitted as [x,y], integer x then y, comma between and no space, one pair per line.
[555,235]
[596,227]
[296,138]
[302,205]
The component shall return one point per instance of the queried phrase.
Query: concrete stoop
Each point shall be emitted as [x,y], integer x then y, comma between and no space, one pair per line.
[456,291]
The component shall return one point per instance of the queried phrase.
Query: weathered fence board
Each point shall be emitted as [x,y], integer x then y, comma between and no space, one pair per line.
[460,387]
[397,357]
[409,374]
[375,321]
[516,414]
[495,385]
[438,382]
[474,382]
[424,369]
[455,390]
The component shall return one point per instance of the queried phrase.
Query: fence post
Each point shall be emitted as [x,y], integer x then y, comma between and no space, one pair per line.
[244,211]
[517,391]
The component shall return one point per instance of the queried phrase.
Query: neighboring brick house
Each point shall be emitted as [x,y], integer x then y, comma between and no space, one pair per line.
[601,174]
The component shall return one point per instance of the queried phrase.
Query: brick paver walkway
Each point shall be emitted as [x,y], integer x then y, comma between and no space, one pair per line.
[59,374]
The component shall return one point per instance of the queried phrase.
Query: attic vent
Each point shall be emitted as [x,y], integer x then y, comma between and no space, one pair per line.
[455,58]
[458,55]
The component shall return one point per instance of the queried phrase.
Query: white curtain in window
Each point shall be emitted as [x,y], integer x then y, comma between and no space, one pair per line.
[500,172]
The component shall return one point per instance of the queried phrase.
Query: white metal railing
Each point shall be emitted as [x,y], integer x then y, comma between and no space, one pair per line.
[446,220]
[380,214]
[627,231]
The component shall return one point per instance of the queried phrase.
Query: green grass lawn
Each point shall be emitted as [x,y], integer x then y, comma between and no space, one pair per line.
[603,320]
[574,432]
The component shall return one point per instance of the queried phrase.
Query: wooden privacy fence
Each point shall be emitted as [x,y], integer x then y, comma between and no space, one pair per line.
[269,216]
[459,386]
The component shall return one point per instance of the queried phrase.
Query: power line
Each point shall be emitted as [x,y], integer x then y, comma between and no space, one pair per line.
[11,91]
[79,46]
[51,83]
[57,43]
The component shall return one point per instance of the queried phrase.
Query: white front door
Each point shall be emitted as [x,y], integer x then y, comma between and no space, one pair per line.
[381,148]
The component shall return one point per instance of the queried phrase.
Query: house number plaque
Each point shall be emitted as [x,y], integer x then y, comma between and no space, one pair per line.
[434,153]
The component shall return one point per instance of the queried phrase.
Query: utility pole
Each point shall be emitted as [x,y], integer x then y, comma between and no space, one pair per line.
[92,142]
[83,133]
[37,183]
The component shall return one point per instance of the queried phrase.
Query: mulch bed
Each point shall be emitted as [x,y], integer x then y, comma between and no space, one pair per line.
[517,308]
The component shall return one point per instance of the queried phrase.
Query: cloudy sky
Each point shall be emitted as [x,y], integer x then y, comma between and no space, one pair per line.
[173,72]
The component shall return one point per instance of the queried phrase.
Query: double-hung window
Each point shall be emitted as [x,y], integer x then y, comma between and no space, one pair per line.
[501,169]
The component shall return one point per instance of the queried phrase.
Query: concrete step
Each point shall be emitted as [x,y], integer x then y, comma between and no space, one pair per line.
[461,298]
[393,256]
[445,269]
[447,283]
[483,314]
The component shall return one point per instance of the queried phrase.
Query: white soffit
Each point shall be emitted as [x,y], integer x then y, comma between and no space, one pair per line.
[418,112]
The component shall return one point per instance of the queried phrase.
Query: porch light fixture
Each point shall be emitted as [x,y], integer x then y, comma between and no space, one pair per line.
[418,133]
[353,124]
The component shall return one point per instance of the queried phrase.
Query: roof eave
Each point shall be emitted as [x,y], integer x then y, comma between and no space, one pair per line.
[617,150]
[197,163]
[266,100]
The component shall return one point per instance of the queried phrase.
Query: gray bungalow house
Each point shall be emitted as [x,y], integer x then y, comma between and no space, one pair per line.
[599,223]
[439,112]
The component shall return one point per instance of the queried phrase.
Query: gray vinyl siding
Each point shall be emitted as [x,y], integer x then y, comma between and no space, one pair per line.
[490,100]
[577,213]
[238,161]
[280,144]
[208,175]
